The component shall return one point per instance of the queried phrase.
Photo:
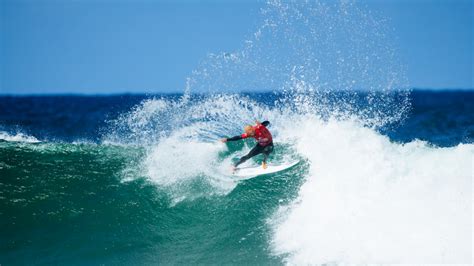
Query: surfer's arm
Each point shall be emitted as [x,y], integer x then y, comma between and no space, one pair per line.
[238,137]
[234,138]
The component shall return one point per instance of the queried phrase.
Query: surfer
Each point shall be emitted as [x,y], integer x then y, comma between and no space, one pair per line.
[264,142]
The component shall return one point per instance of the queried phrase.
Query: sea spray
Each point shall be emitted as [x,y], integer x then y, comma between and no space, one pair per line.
[315,48]
[181,137]
[19,137]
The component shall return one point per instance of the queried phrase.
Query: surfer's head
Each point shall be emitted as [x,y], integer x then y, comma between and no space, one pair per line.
[249,130]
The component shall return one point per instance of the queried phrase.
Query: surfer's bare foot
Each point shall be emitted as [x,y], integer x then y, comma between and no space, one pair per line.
[264,165]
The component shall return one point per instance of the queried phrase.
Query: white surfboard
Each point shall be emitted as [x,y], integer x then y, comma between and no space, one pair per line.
[243,173]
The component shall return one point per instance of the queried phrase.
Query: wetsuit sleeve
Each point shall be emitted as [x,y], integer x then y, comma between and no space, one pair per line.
[243,136]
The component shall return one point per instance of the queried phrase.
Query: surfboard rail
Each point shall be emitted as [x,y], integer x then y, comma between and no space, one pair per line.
[243,173]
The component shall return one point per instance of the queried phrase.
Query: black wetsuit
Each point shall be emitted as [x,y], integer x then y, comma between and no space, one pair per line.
[266,150]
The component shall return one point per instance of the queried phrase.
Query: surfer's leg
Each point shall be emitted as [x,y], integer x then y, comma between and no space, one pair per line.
[266,152]
[255,151]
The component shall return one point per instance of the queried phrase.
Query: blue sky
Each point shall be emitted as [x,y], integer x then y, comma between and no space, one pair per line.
[152,46]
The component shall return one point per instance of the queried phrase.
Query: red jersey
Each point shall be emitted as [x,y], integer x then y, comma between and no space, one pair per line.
[262,135]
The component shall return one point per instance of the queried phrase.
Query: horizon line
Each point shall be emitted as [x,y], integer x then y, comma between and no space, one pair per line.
[27,94]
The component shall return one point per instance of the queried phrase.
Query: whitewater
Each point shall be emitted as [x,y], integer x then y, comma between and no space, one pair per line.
[369,200]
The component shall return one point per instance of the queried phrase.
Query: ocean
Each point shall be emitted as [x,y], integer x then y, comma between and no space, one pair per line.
[143,179]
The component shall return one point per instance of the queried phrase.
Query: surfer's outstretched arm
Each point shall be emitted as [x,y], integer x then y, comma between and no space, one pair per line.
[238,137]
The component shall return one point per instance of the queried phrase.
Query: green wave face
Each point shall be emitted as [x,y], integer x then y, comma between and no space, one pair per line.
[77,203]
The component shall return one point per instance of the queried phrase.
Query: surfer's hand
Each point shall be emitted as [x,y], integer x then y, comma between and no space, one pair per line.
[223,140]
[257,122]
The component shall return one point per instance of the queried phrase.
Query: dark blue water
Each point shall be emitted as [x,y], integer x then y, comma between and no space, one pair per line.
[443,118]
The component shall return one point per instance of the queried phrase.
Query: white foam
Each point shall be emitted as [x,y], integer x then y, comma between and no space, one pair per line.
[172,160]
[177,163]
[369,200]
[18,137]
